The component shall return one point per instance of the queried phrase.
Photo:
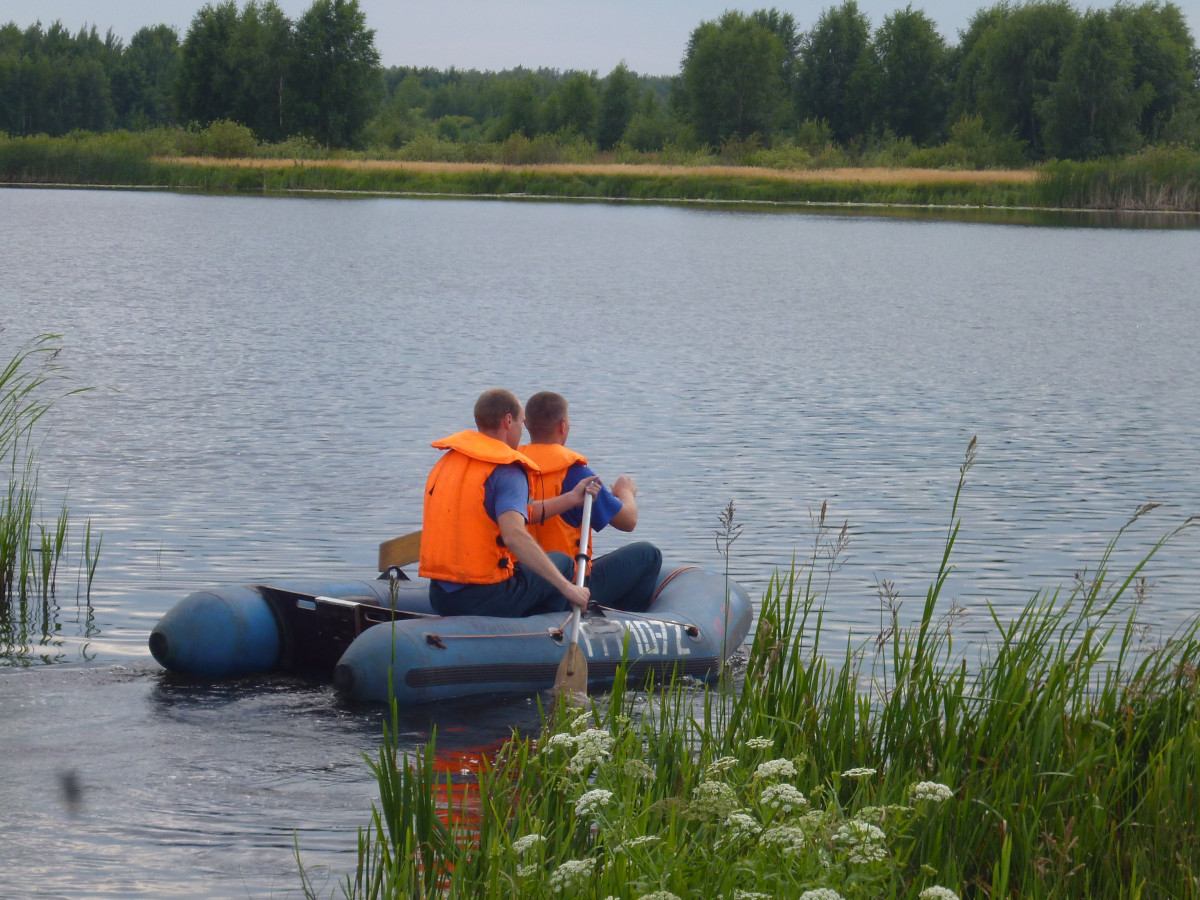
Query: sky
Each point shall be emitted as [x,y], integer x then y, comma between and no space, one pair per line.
[648,35]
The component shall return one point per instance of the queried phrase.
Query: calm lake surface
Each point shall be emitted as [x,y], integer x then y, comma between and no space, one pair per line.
[270,373]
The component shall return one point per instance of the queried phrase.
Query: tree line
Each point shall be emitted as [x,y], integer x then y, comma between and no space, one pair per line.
[1039,78]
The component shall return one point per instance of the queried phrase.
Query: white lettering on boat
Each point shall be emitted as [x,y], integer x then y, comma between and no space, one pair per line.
[646,639]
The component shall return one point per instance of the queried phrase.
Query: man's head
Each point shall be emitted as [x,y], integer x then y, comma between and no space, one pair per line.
[547,418]
[498,414]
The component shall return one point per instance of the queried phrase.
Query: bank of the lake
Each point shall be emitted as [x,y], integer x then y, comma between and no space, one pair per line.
[1159,180]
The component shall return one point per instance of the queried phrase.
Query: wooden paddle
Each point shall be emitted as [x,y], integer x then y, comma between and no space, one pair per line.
[572,671]
[400,551]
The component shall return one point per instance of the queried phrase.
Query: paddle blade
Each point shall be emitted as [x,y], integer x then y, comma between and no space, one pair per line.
[400,551]
[572,672]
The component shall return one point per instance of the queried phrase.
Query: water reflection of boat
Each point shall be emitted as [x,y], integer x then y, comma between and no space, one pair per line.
[364,633]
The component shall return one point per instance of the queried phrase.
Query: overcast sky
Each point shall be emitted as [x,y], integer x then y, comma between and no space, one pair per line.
[649,35]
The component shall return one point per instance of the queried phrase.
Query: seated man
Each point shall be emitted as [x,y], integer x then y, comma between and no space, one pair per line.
[623,579]
[474,547]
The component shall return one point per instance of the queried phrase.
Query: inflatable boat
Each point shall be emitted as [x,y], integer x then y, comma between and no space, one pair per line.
[369,633]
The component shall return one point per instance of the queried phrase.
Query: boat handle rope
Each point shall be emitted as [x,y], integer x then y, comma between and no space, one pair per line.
[437,640]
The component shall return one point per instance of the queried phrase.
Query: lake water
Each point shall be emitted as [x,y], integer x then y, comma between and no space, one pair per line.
[269,374]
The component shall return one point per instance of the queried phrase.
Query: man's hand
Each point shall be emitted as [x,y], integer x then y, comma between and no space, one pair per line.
[589,485]
[577,595]
[626,518]
[624,488]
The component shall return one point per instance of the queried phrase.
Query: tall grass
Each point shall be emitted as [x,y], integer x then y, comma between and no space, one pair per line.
[1158,178]
[30,549]
[1061,764]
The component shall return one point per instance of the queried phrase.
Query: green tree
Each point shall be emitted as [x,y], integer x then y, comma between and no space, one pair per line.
[1015,61]
[618,101]
[259,51]
[732,83]
[1164,56]
[913,76]
[579,105]
[837,72]
[522,109]
[143,84]
[1094,108]
[335,72]
[206,89]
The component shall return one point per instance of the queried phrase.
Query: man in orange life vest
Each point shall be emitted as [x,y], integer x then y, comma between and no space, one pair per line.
[474,546]
[624,578]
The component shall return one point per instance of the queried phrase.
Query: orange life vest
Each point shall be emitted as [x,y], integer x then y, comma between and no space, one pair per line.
[554,534]
[459,540]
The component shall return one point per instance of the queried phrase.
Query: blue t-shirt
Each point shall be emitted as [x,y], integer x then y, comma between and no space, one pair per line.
[604,506]
[505,490]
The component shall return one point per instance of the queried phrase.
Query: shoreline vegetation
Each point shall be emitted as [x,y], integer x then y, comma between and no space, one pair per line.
[33,545]
[1059,763]
[225,158]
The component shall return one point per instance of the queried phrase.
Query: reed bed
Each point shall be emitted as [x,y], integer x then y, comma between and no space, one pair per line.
[1062,764]
[31,546]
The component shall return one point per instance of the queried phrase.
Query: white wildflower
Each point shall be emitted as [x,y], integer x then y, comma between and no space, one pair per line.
[658,895]
[858,773]
[591,802]
[864,843]
[741,825]
[581,720]
[760,743]
[714,798]
[559,740]
[572,874]
[788,838]
[937,892]
[525,870]
[521,844]
[593,747]
[930,790]
[775,768]
[783,797]
[876,814]
[636,842]
[750,895]
[638,769]
[717,766]
[821,894]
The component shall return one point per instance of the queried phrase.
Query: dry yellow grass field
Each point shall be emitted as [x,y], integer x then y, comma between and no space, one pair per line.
[841,176]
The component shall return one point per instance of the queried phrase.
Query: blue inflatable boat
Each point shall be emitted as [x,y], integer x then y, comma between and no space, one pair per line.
[367,632]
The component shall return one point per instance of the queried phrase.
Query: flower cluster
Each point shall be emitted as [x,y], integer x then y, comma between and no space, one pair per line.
[821,894]
[774,769]
[658,895]
[783,797]
[858,773]
[572,875]
[591,802]
[790,840]
[528,842]
[739,826]
[760,743]
[713,800]
[592,748]
[864,843]
[717,766]
[930,790]
[636,842]
[937,892]
[636,768]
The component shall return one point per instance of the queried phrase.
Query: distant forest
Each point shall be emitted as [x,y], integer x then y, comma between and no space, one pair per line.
[1031,81]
